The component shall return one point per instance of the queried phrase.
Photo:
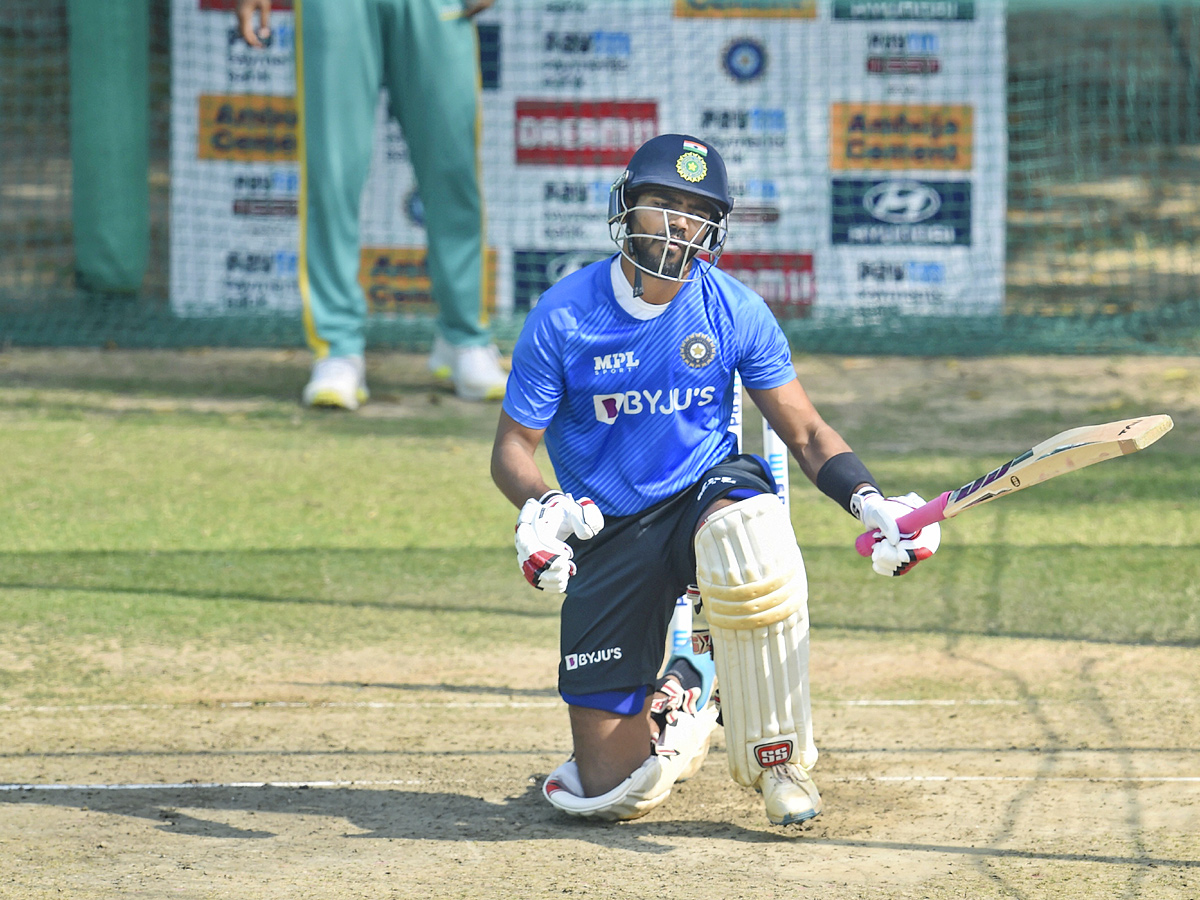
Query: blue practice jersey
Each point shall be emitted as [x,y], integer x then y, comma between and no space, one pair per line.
[636,409]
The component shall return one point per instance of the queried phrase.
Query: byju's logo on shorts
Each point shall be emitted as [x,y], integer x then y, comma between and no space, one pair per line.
[579,660]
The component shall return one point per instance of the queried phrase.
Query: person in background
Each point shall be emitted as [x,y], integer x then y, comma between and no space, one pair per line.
[425,52]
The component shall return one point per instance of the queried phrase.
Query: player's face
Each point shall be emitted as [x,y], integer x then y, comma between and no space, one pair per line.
[667,229]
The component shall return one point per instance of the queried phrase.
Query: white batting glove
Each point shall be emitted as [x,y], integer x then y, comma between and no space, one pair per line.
[542,527]
[899,558]
[873,511]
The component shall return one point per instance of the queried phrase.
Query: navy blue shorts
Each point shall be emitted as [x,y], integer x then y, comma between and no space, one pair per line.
[620,600]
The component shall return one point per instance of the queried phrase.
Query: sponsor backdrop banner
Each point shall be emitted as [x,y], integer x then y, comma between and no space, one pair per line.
[865,141]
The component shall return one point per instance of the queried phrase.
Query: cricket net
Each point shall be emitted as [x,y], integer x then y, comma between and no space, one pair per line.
[910,176]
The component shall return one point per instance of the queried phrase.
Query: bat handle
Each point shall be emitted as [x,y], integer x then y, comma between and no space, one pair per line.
[933,511]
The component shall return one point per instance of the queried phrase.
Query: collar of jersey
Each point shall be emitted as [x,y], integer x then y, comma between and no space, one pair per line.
[636,306]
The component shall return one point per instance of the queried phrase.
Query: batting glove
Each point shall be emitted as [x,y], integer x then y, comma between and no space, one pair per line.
[899,558]
[542,527]
[873,511]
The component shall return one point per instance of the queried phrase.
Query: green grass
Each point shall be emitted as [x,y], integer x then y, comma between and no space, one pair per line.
[181,528]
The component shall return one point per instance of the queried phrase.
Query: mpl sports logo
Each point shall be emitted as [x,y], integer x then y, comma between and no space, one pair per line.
[578,660]
[901,212]
[786,281]
[583,133]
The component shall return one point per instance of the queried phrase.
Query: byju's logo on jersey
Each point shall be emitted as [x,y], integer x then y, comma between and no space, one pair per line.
[698,350]
[660,402]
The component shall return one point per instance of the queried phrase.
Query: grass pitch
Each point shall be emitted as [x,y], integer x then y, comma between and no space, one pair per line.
[201,583]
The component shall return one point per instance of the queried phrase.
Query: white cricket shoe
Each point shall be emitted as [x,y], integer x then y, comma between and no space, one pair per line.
[790,794]
[475,371]
[338,382]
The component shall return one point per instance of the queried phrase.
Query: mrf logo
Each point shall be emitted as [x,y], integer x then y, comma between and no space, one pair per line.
[773,754]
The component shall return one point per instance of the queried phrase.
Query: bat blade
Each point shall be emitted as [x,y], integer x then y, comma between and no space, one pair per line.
[1067,451]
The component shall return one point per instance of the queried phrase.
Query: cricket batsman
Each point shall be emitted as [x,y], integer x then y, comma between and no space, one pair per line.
[626,369]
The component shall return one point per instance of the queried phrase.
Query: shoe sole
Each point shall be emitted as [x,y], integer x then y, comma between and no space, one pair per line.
[492,393]
[334,400]
[795,820]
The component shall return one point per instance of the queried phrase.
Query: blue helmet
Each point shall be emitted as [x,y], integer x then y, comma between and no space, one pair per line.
[677,162]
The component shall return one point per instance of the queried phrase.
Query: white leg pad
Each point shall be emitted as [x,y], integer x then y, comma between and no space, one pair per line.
[754,592]
[682,748]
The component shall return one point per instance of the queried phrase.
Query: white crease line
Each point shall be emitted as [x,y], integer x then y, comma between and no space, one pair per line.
[1116,779]
[217,785]
[192,785]
[284,704]
[449,704]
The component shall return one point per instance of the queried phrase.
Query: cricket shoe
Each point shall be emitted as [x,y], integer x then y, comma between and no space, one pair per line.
[790,794]
[475,371]
[337,382]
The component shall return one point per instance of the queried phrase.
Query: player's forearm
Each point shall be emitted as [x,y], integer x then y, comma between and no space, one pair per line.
[516,473]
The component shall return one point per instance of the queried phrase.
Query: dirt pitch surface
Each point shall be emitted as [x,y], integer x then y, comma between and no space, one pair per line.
[1046,769]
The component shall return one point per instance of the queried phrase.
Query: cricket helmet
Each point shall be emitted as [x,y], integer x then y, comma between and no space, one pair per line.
[677,162]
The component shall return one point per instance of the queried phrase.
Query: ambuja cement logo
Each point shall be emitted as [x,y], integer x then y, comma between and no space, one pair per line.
[579,660]
[632,403]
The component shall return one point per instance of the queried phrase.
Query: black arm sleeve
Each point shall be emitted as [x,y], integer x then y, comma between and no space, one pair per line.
[840,475]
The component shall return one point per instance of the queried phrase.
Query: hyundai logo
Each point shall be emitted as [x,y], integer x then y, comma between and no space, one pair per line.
[902,202]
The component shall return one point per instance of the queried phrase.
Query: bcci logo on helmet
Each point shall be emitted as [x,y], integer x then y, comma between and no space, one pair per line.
[691,167]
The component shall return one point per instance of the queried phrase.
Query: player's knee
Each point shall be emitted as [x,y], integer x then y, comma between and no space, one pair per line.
[750,571]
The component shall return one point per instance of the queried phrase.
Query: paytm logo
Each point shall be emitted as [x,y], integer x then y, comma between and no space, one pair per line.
[633,403]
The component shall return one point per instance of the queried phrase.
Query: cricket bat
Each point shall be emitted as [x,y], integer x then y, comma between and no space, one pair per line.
[1065,452]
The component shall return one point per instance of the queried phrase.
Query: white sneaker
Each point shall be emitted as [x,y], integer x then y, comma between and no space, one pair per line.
[475,371]
[790,794]
[339,382]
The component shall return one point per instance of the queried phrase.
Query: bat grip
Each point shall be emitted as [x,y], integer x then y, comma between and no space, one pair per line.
[933,511]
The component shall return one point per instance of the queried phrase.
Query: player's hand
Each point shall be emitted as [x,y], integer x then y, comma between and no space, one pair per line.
[873,511]
[246,10]
[899,557]
[542,528]
[472,8]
